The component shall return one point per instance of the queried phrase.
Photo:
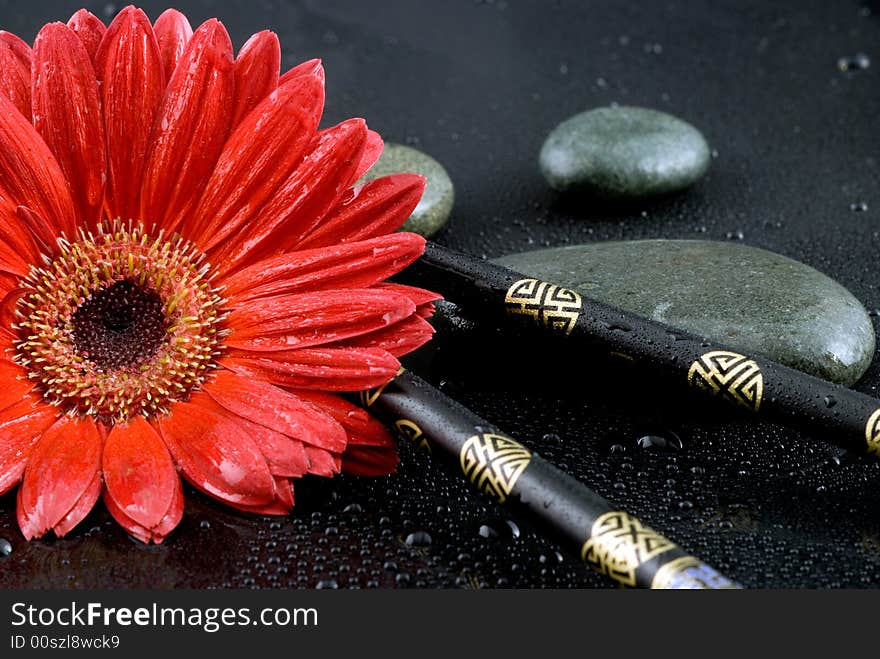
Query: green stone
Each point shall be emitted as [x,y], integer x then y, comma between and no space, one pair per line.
[747,298]
[436,203]
[624,153]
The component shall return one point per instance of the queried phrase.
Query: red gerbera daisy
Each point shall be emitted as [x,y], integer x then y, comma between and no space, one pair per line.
[187,274]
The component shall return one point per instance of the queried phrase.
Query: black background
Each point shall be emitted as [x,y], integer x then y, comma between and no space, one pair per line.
[478,85]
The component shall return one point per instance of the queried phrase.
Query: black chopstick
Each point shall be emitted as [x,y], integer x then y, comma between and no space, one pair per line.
[573,323]
[611,541]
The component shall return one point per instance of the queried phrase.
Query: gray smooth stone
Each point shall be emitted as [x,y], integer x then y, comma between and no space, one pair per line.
[624,153]
[747,298]
[436,203]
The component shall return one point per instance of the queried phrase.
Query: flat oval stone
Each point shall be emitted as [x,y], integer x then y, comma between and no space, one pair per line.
[747,298]
[624,153]
[436,202]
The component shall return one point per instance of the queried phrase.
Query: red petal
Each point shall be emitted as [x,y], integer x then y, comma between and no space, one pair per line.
[399,339]
[330,369]
[15,71]
[300,321]
[133,528]
[362,428]
[59,473]
[353,265]
[173,33]
[89,29]
[379,207]
[260,154]
[14,385]
[307,68]
[8,313]
[216,454]
[302,200]
[156,534]
[371,449]
[18,249]
[281,505]
[422,298]
[285,456]
[256,72]
[11,263]
[82,507]
[284,492]
[275,409]
[21,426]
[132,78]
[172,516]
[68,115]
[29,174]
[372,151]
[190,129]
[322,463]
[138,472]
[40,231]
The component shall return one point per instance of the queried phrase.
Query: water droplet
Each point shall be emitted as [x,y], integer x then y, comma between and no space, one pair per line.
[353,508]
[204,524]
[5,547]
[327,584]
[514,529]
[419,539]
[830,401]
[668,441]
[857,62]
[487,531]
[858,207]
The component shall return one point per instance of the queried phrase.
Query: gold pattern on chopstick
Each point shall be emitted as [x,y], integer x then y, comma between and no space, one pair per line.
[729,374]
[689,573]
[369,396]
[619,544]
[548,304]
[412,431]
[872,433]
[494,463]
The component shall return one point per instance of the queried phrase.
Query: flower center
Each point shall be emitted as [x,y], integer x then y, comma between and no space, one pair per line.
[119,323]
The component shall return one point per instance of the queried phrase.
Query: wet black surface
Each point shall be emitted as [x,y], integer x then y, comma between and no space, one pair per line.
[478,85]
